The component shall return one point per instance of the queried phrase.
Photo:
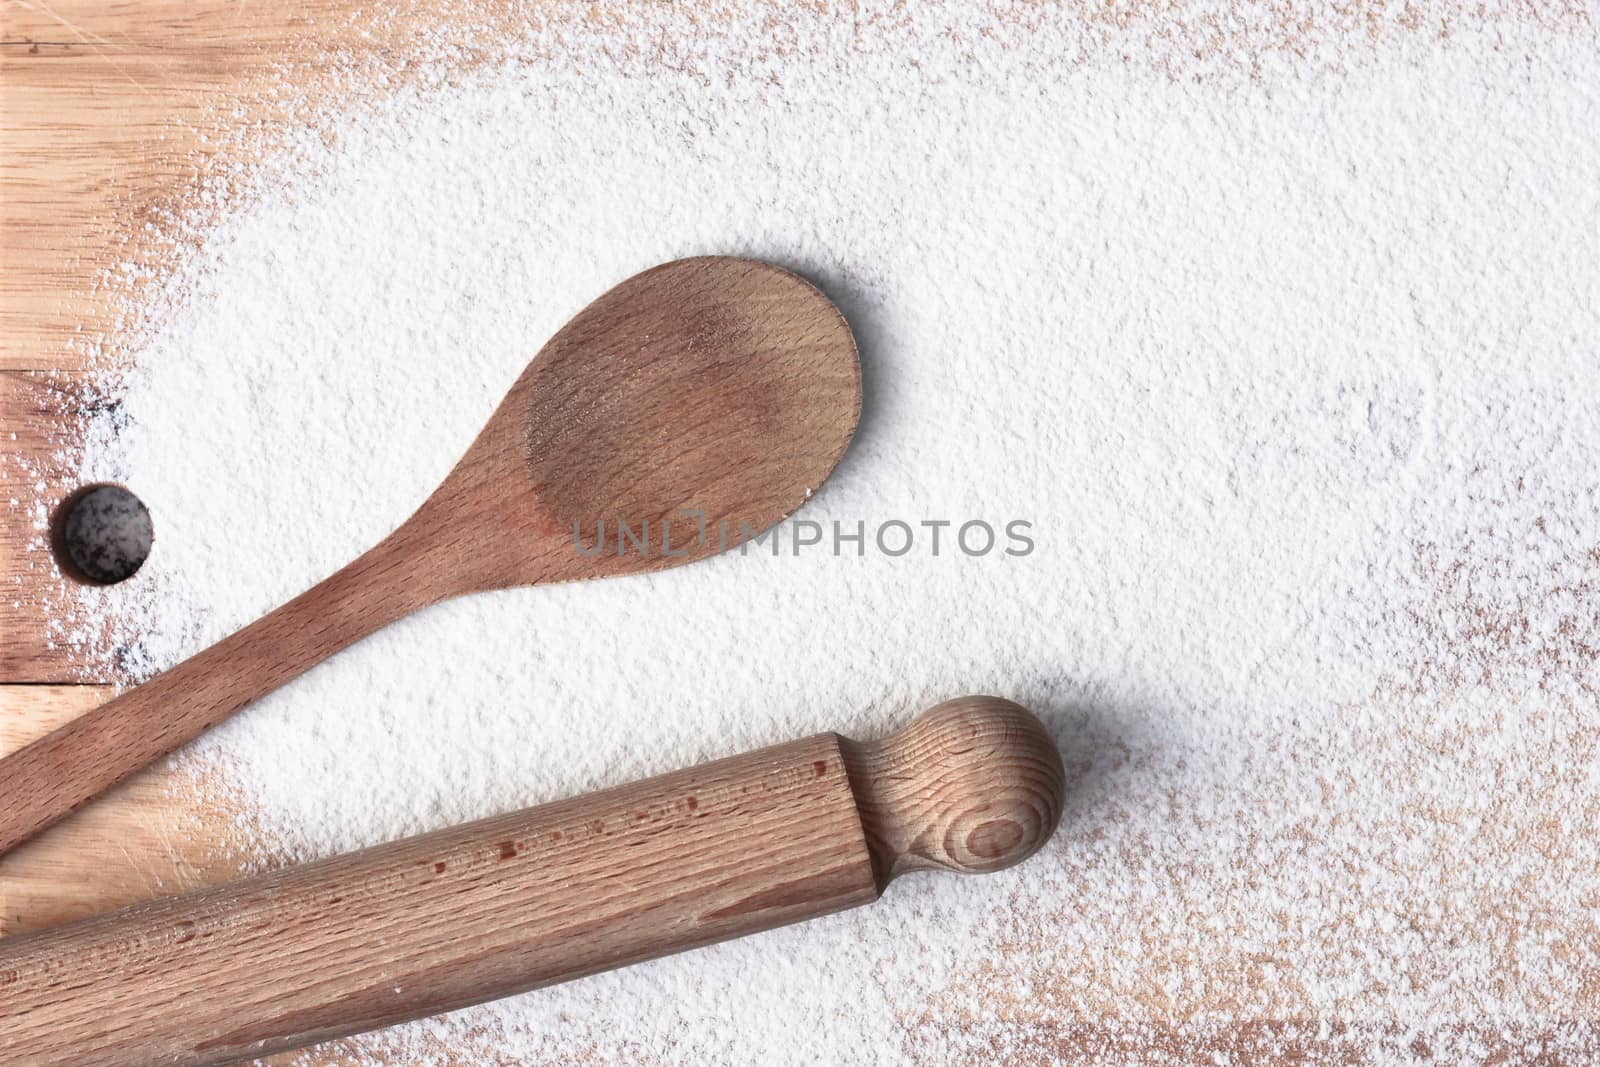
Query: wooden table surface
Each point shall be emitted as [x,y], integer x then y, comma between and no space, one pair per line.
[112,112]
[109,120]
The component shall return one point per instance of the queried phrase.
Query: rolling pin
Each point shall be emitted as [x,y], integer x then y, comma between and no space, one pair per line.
[514,902]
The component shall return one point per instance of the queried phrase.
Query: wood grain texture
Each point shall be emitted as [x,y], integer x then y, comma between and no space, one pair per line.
[519,901]
[148,837]
[104,118]
[155,835]
[715,387]
[111,113]
[41,420]
[114,112]
[920,804]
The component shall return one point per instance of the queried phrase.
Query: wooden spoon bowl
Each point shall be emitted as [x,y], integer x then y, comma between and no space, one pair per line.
[712,393]
[696,404]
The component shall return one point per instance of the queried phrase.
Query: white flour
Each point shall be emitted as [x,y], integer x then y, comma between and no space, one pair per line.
[1295,377]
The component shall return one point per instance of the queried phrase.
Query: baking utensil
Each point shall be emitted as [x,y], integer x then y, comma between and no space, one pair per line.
[706,398]
[511,903]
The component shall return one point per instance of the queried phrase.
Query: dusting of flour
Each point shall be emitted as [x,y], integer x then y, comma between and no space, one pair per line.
[1294,374]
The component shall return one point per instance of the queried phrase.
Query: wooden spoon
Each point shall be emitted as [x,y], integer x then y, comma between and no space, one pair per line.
[713,385]
[534,897]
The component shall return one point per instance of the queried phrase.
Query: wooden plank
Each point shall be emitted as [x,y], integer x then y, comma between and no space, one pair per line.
[150,837]
[41,420]
[95,140]
[114,114]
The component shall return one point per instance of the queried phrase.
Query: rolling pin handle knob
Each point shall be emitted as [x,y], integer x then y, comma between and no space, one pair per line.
[973,785]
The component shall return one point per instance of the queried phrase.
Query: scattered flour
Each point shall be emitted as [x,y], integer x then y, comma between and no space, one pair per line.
[1288,353]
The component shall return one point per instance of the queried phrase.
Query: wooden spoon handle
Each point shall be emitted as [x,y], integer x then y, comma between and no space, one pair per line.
[52,777]
[519,901]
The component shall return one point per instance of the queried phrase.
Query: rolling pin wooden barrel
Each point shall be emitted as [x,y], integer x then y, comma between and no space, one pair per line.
[515,902]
